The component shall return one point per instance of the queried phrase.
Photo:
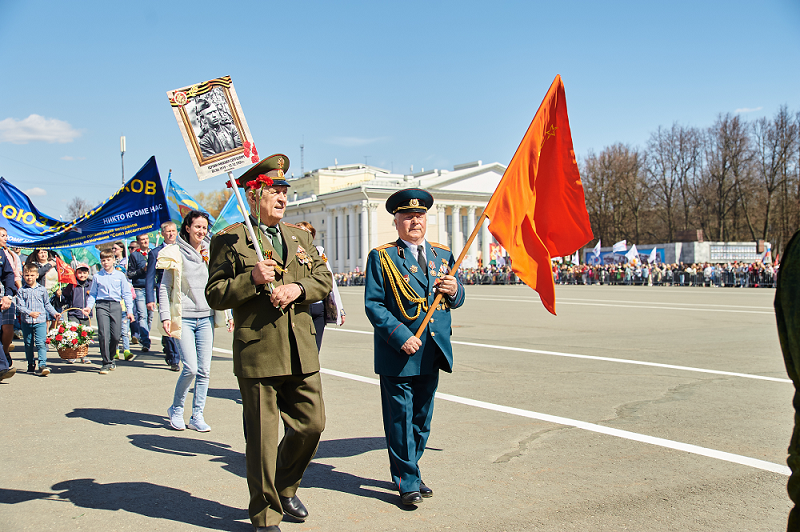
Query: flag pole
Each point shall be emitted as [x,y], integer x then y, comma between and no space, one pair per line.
[458,262]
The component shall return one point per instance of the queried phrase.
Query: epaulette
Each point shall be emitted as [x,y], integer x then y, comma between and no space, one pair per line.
[385,246]
[229,228]
[293,225]
[438,245]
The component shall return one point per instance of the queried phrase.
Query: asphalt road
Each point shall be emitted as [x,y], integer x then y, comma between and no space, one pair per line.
[635,408]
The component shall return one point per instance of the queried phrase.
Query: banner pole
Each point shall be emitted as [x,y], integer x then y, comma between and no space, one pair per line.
[458,262]
[235,187]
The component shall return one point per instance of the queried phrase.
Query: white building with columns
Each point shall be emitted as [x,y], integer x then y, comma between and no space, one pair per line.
[352,219]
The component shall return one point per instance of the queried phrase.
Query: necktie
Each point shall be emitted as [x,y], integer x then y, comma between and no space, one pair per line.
[277,243]
[421,258]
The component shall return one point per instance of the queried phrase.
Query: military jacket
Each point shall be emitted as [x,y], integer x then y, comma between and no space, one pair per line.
[392,328]
[262,336]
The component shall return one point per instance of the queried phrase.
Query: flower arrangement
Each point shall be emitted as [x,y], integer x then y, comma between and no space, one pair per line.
[69,334]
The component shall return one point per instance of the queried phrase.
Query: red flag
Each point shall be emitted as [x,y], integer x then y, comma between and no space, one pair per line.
[539,209]
[65,273]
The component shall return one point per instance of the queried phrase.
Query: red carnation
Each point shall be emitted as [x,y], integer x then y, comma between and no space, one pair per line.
[73,328]
[255,151]
[59,337]
[252,184]
[84,334]
[246,151]
[74,341]
[246,144]
[254,158]
[229,184]
[265,179]
[61,329]
[47,341]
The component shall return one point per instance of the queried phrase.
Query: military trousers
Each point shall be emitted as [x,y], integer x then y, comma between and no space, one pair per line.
[275,468]
[407,404]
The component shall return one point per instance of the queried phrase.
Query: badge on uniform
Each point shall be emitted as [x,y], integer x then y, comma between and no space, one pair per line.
[405,278]
[413,269]
[302,257]
[431,265]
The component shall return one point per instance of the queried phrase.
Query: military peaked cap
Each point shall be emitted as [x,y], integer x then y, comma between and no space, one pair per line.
[274,167]
[409,200]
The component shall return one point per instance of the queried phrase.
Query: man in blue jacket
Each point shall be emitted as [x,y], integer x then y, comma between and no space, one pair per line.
[402,281]
[172,353]
[137,273]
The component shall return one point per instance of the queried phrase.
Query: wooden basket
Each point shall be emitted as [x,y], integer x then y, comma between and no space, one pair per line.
[69,353]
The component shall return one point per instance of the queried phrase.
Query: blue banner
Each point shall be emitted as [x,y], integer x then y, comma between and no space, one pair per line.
[138,207]
[180,203]
[230,214]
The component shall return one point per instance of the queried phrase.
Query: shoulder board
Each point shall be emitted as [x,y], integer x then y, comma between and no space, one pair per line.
[229,228]
[438,245]
[292,225]
[385,246]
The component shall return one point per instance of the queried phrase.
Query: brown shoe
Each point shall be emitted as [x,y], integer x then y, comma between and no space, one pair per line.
[8,373]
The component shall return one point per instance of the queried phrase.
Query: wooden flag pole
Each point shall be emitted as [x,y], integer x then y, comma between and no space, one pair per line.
[463,254]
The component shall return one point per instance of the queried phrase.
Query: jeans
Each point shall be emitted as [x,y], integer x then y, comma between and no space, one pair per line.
[197,339]
[143,316]
[126,332]
[34,335]
[172,350]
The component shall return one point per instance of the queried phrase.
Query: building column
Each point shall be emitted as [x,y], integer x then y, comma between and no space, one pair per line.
[486,238]
[362,259]
[329,236]
[441,218]
[373,226]
[473,248]
[458,241]
[352,240]
[341,242]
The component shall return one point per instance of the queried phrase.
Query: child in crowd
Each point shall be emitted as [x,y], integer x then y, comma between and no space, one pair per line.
[76,297]
[109,288]
[34,307]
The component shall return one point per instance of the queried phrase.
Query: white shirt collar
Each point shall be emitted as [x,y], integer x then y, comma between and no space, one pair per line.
[415,248]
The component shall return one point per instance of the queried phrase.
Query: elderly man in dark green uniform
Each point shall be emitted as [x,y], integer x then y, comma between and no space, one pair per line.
[787,312]
[403,278]
[275,355]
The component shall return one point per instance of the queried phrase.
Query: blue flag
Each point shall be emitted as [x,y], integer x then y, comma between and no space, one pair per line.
[180,203]
[230,214]
[138,207]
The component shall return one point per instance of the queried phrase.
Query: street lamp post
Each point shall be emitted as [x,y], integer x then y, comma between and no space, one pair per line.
[122,156]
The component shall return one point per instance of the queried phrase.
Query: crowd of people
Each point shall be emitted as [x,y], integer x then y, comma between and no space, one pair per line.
[732,274]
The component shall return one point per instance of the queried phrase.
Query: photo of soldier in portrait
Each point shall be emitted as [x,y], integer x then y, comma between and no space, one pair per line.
[214,127]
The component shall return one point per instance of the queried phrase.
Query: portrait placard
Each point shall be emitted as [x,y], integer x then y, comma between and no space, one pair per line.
[213,127]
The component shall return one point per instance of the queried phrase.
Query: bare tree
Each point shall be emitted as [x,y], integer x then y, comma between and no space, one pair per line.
[213,201]
[77,208]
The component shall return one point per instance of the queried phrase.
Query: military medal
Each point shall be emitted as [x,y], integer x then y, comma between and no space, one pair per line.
[431,265]
[413,269]
[433,272]
[302,257]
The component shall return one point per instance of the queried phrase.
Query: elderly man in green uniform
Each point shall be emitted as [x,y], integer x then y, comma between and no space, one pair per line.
[787,312]
[275,355]
[403,278]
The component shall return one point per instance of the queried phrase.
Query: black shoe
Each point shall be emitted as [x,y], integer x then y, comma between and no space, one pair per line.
[410,498]
[293,507]
[31,368]
[424,490]
[145,349]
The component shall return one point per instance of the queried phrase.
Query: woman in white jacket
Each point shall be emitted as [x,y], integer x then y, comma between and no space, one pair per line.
[185,315]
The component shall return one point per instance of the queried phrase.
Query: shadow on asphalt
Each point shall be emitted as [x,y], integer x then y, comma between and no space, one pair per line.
[234,461]
[111,416]
[144,498]
[226,393]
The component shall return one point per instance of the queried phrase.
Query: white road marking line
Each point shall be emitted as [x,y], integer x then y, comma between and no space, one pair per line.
[592,427]
[562,302]
[603,359]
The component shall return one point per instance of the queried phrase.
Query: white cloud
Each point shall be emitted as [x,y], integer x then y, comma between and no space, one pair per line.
[35,191]
[748,109]
[71,158]
[354,142]
[35,128]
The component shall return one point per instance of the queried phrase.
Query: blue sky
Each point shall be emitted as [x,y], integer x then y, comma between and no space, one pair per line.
[428,84]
